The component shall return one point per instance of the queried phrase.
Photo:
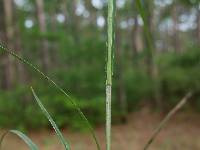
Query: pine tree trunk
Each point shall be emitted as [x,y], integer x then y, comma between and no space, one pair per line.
[2,38]
[20,67]
[175,38]
[54,45]
[9,34]
[65,12]
[137,39]
[43,30]
[121,95]
[73,20]
[20,70]
[198,25]
[152,68]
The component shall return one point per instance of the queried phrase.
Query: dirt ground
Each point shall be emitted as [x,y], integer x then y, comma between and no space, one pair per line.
[181,133]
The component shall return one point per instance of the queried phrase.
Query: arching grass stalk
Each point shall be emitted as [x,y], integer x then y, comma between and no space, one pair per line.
[44,76]
[109,69]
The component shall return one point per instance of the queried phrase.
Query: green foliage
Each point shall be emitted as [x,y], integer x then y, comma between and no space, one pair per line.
[179,74]
[138,87]
[63,111]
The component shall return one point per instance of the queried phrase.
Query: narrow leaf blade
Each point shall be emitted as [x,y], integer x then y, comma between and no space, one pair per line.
[45,112]
[26,139]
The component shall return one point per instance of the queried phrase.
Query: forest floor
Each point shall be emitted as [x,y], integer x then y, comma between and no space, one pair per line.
[181,133]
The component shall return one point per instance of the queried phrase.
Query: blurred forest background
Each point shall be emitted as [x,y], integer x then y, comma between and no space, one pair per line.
[67,40]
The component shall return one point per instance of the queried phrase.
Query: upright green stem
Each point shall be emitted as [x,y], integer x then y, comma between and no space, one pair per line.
[111,12]
[108,116]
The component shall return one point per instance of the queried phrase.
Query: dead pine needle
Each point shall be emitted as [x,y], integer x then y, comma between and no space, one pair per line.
[166,119]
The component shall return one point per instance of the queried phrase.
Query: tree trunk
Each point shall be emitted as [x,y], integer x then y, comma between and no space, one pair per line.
[20,70]
[175,38]
[43,30]
[198,25]
[137,43]
[9,34]
[2,38]
[137,39]
[2,22]
[152,68]
[149,40]
[64,11]
[54,45]
[73,20]
[20,67]
[121,95]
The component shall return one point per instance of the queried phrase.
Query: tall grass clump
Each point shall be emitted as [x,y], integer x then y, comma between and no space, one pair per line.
[109,70]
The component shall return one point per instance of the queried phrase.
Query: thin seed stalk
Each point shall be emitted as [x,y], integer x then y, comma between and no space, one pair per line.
[110,32]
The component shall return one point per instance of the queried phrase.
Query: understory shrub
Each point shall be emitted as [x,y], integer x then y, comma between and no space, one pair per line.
[177,75]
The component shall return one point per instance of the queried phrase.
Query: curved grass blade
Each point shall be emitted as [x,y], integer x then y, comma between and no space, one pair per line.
[26,139]
[45,112]
[10,52]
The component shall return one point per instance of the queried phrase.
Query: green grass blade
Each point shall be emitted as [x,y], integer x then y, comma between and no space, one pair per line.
[26,139]
[45,112]
[10,52]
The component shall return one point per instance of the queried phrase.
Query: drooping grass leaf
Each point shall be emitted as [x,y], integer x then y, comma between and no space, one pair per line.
[45,112]
[10,52]
[26,139]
